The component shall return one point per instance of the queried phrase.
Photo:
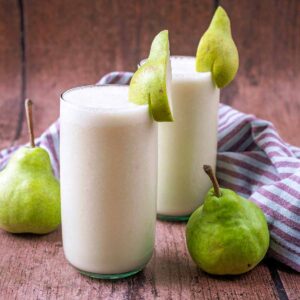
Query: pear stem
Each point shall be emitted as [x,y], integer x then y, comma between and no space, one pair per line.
[28,109]
[209,171]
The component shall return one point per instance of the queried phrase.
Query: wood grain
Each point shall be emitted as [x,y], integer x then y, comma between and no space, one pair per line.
[37,269]
[10,70]
[290,280]
[267,34]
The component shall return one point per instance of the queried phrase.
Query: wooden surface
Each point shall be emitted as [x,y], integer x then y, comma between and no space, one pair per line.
[268,36]
[49,46]
[11,71]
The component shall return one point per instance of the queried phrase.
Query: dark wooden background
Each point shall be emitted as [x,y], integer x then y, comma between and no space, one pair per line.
[47,47]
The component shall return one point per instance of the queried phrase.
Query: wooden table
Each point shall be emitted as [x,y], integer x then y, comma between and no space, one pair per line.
[49,46]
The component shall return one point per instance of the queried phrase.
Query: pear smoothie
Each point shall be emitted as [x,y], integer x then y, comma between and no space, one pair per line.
[108,158]
[190,142]
[187,143]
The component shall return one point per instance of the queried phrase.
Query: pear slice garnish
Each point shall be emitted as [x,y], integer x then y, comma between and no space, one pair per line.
[151,82]
[160,45]
[217,52]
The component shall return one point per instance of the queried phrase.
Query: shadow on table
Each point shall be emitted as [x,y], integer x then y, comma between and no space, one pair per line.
[172,270]
[54,236]
[274,264]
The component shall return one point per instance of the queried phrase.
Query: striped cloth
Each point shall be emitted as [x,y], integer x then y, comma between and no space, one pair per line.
[252,159]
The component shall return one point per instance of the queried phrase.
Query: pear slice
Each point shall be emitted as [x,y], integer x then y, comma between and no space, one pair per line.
[160,45]
[217,51]
[151,82]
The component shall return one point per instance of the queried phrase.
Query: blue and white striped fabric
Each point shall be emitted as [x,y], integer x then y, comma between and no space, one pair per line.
[252,159]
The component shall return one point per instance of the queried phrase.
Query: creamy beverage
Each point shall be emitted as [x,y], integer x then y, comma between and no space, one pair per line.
[188,143]
[108,158]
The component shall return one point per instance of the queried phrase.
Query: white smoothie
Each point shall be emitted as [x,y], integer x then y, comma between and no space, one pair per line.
[189,142]
[108,155]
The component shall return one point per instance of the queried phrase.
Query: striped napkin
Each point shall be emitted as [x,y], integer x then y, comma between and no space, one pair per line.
[252,160]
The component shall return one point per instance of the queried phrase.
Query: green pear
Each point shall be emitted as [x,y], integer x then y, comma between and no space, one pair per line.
[150,84]
[217,52]
[228,234]
[29,193]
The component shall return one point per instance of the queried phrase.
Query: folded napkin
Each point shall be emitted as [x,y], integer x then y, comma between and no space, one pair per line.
[252,160]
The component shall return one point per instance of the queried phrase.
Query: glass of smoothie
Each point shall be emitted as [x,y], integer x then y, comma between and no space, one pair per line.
[188,143]
[108,153]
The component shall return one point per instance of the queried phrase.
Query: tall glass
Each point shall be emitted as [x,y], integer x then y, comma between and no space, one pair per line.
[188,143]
[108,155]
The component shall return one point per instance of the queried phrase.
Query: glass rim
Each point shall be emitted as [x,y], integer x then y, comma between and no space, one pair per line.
[63,99]
[177,74]
[171,56]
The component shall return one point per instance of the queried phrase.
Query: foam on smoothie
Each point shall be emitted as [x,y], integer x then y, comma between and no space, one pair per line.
[108,103]
[184,67]
[100,97]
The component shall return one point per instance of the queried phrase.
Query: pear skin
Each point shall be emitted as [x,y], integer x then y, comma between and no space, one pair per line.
[159,46]
[228,234]
[150,84]
[29,193]
[217,52]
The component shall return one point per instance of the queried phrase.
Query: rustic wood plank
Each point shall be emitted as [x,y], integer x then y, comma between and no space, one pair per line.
[268,38]
[10,74]
[290,280]
[273,267]
[75,42]
[35,267]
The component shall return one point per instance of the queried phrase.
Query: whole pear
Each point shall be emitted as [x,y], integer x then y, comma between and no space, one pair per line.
[217,52]
[228,234]
[29,193]
[150,84]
